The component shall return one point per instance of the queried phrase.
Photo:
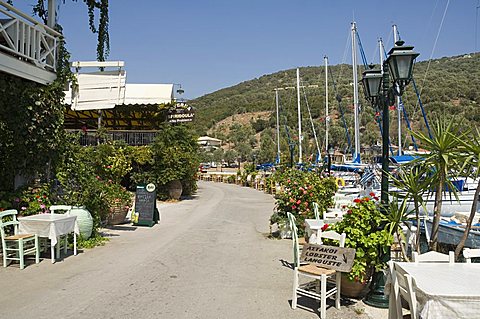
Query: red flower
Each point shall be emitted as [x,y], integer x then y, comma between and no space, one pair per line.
[349,212]
[375,198]
[294,207]
[357,200]
[372,194]
[324,227]
[366,199]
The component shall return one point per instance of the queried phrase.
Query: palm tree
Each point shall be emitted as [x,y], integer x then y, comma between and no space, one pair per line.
[414,181]
[471,148]
[443,148]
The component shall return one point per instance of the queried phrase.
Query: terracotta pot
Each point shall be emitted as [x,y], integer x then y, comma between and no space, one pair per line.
[353,289]
[175,189]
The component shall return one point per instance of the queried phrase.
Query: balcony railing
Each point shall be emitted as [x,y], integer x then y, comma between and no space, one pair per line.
[134,138]
[25,39]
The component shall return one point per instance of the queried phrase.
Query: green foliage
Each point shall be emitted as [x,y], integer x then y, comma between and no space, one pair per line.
[175,157]
[364,226]
[301,190]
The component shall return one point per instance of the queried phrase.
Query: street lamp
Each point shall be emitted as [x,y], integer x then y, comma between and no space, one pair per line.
[377,89]
[331,153]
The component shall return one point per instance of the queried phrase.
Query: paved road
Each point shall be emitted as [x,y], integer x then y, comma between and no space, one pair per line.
[208,258]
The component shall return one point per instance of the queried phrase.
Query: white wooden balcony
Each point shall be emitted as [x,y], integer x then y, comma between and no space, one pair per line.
[28,48]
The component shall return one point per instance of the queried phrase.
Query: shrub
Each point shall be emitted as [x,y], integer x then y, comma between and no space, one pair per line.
[301,190]
[363,224]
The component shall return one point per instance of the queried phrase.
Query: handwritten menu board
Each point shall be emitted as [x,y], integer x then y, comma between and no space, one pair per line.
[145,206]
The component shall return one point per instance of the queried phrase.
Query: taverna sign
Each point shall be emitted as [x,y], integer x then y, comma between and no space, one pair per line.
[331,257]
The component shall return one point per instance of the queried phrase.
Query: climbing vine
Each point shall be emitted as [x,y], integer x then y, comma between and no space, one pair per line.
[103,38]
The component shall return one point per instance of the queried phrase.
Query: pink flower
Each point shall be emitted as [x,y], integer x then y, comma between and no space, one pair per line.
[301,188]
[304,192]
[288,180]
[292,200]
[294,207]
[298,202]
[24,208]
[42,206]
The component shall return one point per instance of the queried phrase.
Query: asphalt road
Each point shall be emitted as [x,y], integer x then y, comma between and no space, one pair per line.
[209,257]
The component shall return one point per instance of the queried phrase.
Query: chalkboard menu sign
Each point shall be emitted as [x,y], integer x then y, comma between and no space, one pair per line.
[146,213]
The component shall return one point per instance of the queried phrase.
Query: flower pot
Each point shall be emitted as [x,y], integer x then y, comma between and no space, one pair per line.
[353,289]
[175,189]
[118,214]
[84,220]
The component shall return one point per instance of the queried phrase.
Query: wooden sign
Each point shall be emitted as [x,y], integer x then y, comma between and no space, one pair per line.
[330,257]
[145,206]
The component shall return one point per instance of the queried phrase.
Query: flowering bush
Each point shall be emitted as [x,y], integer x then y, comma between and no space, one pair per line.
[32,200]
[363,226]
[301,190]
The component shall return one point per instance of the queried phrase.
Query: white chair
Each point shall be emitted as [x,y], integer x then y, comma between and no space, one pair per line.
[403,287]
[469,253]
[316,210]
[16,246]
[62,241]
[433,256]
[311,271]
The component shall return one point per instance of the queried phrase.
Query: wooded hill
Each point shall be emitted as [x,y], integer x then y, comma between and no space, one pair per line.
[449,87]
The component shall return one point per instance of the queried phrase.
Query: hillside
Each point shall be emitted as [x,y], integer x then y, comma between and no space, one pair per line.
[449,87]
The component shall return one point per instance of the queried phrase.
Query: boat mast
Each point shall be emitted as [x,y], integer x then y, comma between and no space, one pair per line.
[299,119]
[356,157]
[278,127]
[327,116]
[397,101]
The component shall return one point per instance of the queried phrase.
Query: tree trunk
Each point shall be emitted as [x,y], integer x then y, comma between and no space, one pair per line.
[436,212]
[461,244]
[417,232]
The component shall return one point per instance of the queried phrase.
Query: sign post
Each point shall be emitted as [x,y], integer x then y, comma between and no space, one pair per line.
[146,212]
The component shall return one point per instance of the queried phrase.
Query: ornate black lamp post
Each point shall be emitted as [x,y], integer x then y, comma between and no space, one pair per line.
[331,153]
[378,91]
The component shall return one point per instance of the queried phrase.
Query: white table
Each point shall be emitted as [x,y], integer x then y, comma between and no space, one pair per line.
[314,226]
[51,226]
[445,290]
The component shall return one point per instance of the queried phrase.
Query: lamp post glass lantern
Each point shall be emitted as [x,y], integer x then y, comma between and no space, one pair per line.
[380,92]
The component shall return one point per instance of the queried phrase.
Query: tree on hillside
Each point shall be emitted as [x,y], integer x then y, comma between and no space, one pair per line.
[267,150]
[230,156]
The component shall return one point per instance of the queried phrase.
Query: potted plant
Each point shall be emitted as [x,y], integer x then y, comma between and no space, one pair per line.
[363,226]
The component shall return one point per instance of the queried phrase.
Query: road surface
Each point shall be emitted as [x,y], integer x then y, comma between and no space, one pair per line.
[209,257]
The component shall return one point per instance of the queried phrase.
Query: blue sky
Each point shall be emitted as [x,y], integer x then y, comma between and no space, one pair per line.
[207,45]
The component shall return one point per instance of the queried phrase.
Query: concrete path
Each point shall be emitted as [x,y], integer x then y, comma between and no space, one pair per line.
[209,257]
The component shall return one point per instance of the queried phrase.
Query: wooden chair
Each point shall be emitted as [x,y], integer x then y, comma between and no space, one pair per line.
[469,253]
[62,242]
[433,256]
[17,246]
[310,271]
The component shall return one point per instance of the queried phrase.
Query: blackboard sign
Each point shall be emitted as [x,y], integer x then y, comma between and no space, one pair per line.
[145,206]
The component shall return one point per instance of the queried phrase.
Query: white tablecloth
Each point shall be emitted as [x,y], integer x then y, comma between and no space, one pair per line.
[48,225]
[446,290]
